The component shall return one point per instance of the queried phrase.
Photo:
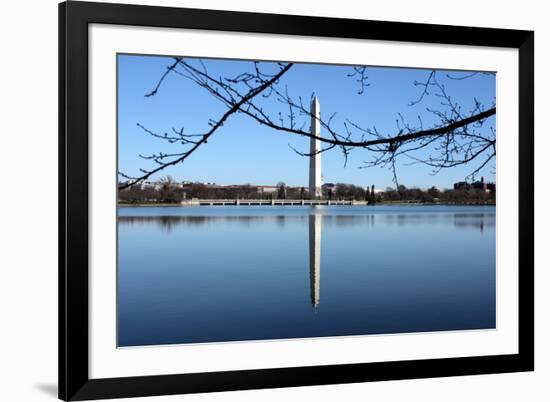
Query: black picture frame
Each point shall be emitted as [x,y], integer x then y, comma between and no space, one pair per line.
[74,381]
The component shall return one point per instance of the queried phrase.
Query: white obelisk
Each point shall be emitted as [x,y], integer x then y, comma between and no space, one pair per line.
[315,178]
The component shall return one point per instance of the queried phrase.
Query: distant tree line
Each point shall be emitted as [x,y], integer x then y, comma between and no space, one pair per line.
[434,195]
[168,191]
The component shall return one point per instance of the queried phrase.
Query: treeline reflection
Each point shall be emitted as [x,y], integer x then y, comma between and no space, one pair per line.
[478,221]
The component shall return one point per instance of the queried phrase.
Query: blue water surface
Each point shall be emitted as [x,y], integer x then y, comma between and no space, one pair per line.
[233,273]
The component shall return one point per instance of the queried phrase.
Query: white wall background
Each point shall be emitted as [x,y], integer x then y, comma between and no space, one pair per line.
[28,199]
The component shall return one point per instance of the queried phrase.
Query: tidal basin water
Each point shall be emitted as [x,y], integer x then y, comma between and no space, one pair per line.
[234,273]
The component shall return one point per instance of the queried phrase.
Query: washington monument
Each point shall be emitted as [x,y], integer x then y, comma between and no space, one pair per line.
[315,178]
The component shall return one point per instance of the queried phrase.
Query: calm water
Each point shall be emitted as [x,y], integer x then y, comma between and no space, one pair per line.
[209,274]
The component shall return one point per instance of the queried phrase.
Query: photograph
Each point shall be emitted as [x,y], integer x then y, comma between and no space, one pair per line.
[256,199]
[274,200]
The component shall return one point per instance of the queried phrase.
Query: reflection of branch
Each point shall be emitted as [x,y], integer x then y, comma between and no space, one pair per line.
[251,94]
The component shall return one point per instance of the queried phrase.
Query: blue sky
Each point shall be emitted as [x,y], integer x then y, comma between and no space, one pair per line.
[242,151]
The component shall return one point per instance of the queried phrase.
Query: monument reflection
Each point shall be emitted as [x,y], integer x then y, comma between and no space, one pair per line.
[315,229]
[316,219]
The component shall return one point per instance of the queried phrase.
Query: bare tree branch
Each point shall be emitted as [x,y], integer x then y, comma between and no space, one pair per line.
[454,140]
[181,157]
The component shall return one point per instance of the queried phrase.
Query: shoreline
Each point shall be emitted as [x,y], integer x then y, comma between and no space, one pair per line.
[178,205]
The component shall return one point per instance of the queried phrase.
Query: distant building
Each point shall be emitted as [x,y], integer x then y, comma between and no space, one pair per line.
[267,189]
[478,185]
[145,184]
[462,185]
